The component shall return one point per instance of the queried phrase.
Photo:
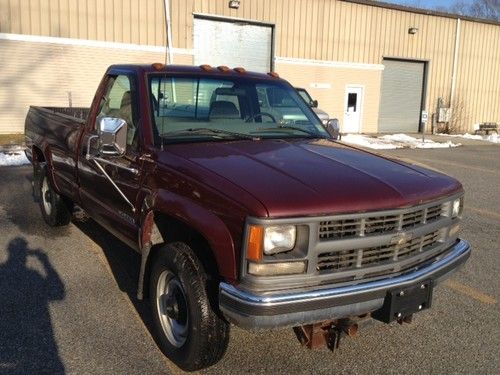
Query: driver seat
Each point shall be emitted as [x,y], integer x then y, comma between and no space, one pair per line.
[220,109]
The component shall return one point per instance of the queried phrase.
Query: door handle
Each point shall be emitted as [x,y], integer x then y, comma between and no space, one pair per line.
[146,158]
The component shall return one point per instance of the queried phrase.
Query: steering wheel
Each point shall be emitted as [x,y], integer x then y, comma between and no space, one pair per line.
[260,114]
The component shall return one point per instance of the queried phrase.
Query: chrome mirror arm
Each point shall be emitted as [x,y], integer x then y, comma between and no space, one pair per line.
[96,160]
[114,185]
[88,156]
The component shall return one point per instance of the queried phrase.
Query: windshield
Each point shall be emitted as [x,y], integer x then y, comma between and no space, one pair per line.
[305,95]
[199,108]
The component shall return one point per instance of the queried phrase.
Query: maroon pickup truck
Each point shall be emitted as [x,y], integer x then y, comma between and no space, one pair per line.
[244,208]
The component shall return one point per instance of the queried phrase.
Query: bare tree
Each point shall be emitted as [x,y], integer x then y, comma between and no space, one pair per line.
[489,9]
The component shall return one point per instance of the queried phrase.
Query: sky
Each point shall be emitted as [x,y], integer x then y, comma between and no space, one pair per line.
[430,4]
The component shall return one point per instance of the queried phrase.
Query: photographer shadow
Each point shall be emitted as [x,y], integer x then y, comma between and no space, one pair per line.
[27,342]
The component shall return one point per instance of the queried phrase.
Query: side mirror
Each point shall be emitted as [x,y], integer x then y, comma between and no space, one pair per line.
[112,134]
[333,128]
[314,104]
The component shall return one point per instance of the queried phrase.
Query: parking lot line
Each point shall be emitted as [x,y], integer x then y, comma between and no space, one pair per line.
[483,212]
[470,292]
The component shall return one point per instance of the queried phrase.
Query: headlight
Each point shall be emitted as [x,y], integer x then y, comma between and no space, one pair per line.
[269,240]
[456,208]
[278,239]
[325,122]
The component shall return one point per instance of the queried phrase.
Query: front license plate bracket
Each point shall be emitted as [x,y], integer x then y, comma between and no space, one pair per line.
[403,302]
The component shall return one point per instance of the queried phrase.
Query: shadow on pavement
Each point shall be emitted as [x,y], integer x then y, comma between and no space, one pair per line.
[20,207]
[124,263]
[27,342]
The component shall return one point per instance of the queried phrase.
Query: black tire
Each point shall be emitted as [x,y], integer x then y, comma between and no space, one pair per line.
[54,209]
[204,334]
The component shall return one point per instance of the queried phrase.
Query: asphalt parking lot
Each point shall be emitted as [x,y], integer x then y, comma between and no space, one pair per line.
[67,297]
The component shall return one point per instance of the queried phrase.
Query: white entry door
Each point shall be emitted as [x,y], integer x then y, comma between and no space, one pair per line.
[353,106]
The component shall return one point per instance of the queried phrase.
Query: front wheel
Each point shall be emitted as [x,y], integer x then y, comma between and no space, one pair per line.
[188,329]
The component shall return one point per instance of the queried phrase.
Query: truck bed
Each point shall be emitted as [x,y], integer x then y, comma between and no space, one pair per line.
[44,121]
[55,131]
[75,112]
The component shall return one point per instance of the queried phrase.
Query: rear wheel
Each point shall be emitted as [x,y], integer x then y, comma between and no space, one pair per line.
[187,328]
[54,209]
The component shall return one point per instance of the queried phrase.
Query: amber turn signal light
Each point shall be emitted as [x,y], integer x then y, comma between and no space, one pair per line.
[255,243]
[240,70]
[206,67]
[158,66]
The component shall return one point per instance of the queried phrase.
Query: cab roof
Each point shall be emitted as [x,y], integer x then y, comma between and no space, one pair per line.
[202,70]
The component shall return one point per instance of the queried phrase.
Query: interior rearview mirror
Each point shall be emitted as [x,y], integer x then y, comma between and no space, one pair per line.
[333,128]
[314,103]
[112,134]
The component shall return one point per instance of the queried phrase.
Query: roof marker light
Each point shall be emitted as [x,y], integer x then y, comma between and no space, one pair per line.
[239,69]
[223,68]
[273,74]
[158,66]
[206,67]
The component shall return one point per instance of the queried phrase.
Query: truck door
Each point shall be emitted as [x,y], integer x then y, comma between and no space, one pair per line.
[110,196]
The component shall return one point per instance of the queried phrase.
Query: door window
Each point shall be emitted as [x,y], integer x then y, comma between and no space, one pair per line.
[352,101]
[118,102]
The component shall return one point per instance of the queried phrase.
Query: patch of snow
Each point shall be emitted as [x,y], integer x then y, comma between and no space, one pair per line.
[370,142]
[493,138]
[399,138]
[14,158]
[490,138]
[393,141]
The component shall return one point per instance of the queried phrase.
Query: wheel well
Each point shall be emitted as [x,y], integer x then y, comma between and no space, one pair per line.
[174,230]
[38,156]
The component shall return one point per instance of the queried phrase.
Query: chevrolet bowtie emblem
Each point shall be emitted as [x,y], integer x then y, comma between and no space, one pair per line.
[401,238]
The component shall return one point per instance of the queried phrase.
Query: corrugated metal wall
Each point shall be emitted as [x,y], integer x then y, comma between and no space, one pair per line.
[477,96]
[306,29]
[126,21]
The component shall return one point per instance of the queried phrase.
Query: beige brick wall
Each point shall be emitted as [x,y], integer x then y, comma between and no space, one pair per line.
[44,74]
[331,99]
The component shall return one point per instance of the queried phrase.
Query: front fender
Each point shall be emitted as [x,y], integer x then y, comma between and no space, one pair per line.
[205,222]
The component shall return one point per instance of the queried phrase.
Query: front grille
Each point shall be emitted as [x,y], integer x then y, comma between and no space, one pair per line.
[372,225]
[372,256]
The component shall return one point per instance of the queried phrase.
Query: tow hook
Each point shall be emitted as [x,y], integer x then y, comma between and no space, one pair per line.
[327,333]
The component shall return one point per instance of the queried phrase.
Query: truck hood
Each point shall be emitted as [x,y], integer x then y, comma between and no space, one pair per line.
[316,177]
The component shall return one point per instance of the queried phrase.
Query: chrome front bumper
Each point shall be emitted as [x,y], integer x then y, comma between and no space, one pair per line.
[286,309]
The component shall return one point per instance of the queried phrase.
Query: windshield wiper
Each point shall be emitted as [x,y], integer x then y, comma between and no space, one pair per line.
[288,127]
[210,131]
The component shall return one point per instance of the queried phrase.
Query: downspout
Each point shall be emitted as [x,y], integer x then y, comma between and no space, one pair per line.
[168,22]
[169,53]
[455,65]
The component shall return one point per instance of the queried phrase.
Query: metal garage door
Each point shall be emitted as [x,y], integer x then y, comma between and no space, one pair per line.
[401,96]
[220,42]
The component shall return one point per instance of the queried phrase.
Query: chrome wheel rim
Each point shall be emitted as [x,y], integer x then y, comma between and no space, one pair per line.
[46,196]
[171,305]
